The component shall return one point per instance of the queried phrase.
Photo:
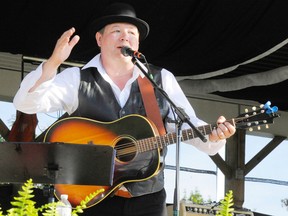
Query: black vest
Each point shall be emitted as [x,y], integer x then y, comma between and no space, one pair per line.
[97,101]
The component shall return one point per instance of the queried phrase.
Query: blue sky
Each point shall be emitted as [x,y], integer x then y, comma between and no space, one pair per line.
[259,197]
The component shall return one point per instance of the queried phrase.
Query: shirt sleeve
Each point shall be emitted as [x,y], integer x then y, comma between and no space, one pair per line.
[173,89]
[59,93]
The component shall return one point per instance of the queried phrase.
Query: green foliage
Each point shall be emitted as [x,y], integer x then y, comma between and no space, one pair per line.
[23,205]
[196,197]
[83,203]
[226,205]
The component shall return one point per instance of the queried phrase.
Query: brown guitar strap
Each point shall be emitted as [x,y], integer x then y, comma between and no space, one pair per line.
[150,103]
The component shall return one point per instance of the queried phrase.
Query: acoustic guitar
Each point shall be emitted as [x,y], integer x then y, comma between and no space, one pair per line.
[134,138]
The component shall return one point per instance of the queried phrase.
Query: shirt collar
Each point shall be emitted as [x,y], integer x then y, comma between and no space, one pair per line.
[96,62]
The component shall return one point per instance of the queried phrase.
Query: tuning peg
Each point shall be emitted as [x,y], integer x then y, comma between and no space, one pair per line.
[270,109]
[267,104]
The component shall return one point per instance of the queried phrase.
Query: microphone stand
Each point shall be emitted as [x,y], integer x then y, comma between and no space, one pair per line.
[182,117]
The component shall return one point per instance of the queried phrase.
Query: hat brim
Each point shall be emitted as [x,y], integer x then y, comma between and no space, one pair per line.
[100,23]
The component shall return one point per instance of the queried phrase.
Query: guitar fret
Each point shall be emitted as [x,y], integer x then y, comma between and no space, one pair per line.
[139,145]
[204,130]
[201,129]
[148,141]
[152,144]
[166,140]
[170,137]
[210,128]
[161,142]
[183,136]
[173,137]
[143,145]
[158,140]
[190,134]
[187,135]
[147,144]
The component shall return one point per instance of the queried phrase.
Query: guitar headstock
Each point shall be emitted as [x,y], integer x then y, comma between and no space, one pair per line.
[262,116]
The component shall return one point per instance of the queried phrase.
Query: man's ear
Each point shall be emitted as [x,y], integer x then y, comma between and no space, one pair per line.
[98,37]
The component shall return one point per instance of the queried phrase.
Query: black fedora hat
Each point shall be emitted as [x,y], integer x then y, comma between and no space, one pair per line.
[120,12]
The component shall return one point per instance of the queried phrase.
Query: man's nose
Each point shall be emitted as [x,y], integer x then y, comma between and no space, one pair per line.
[124,36]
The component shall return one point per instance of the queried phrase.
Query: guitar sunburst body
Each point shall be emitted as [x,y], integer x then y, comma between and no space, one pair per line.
[131,164]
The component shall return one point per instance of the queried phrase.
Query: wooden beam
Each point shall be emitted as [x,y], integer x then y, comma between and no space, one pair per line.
[235,154]
[4,130]
[263,153]
[222,165]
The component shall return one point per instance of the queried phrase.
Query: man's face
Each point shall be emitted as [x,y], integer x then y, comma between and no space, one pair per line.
[117,35]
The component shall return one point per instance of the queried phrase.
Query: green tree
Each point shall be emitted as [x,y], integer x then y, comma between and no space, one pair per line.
[196,197]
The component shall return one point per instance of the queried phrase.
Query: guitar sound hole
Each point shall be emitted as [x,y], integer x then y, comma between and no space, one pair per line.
[125,150]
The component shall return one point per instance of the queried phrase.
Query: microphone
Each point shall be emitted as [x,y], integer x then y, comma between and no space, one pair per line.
[127,51]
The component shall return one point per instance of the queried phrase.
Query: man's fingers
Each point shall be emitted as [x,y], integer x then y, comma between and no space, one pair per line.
[74,41]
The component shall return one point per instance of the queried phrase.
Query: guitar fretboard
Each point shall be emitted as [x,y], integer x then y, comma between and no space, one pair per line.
[152,143]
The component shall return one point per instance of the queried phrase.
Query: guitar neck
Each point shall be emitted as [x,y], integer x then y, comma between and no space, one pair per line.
[152,143]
